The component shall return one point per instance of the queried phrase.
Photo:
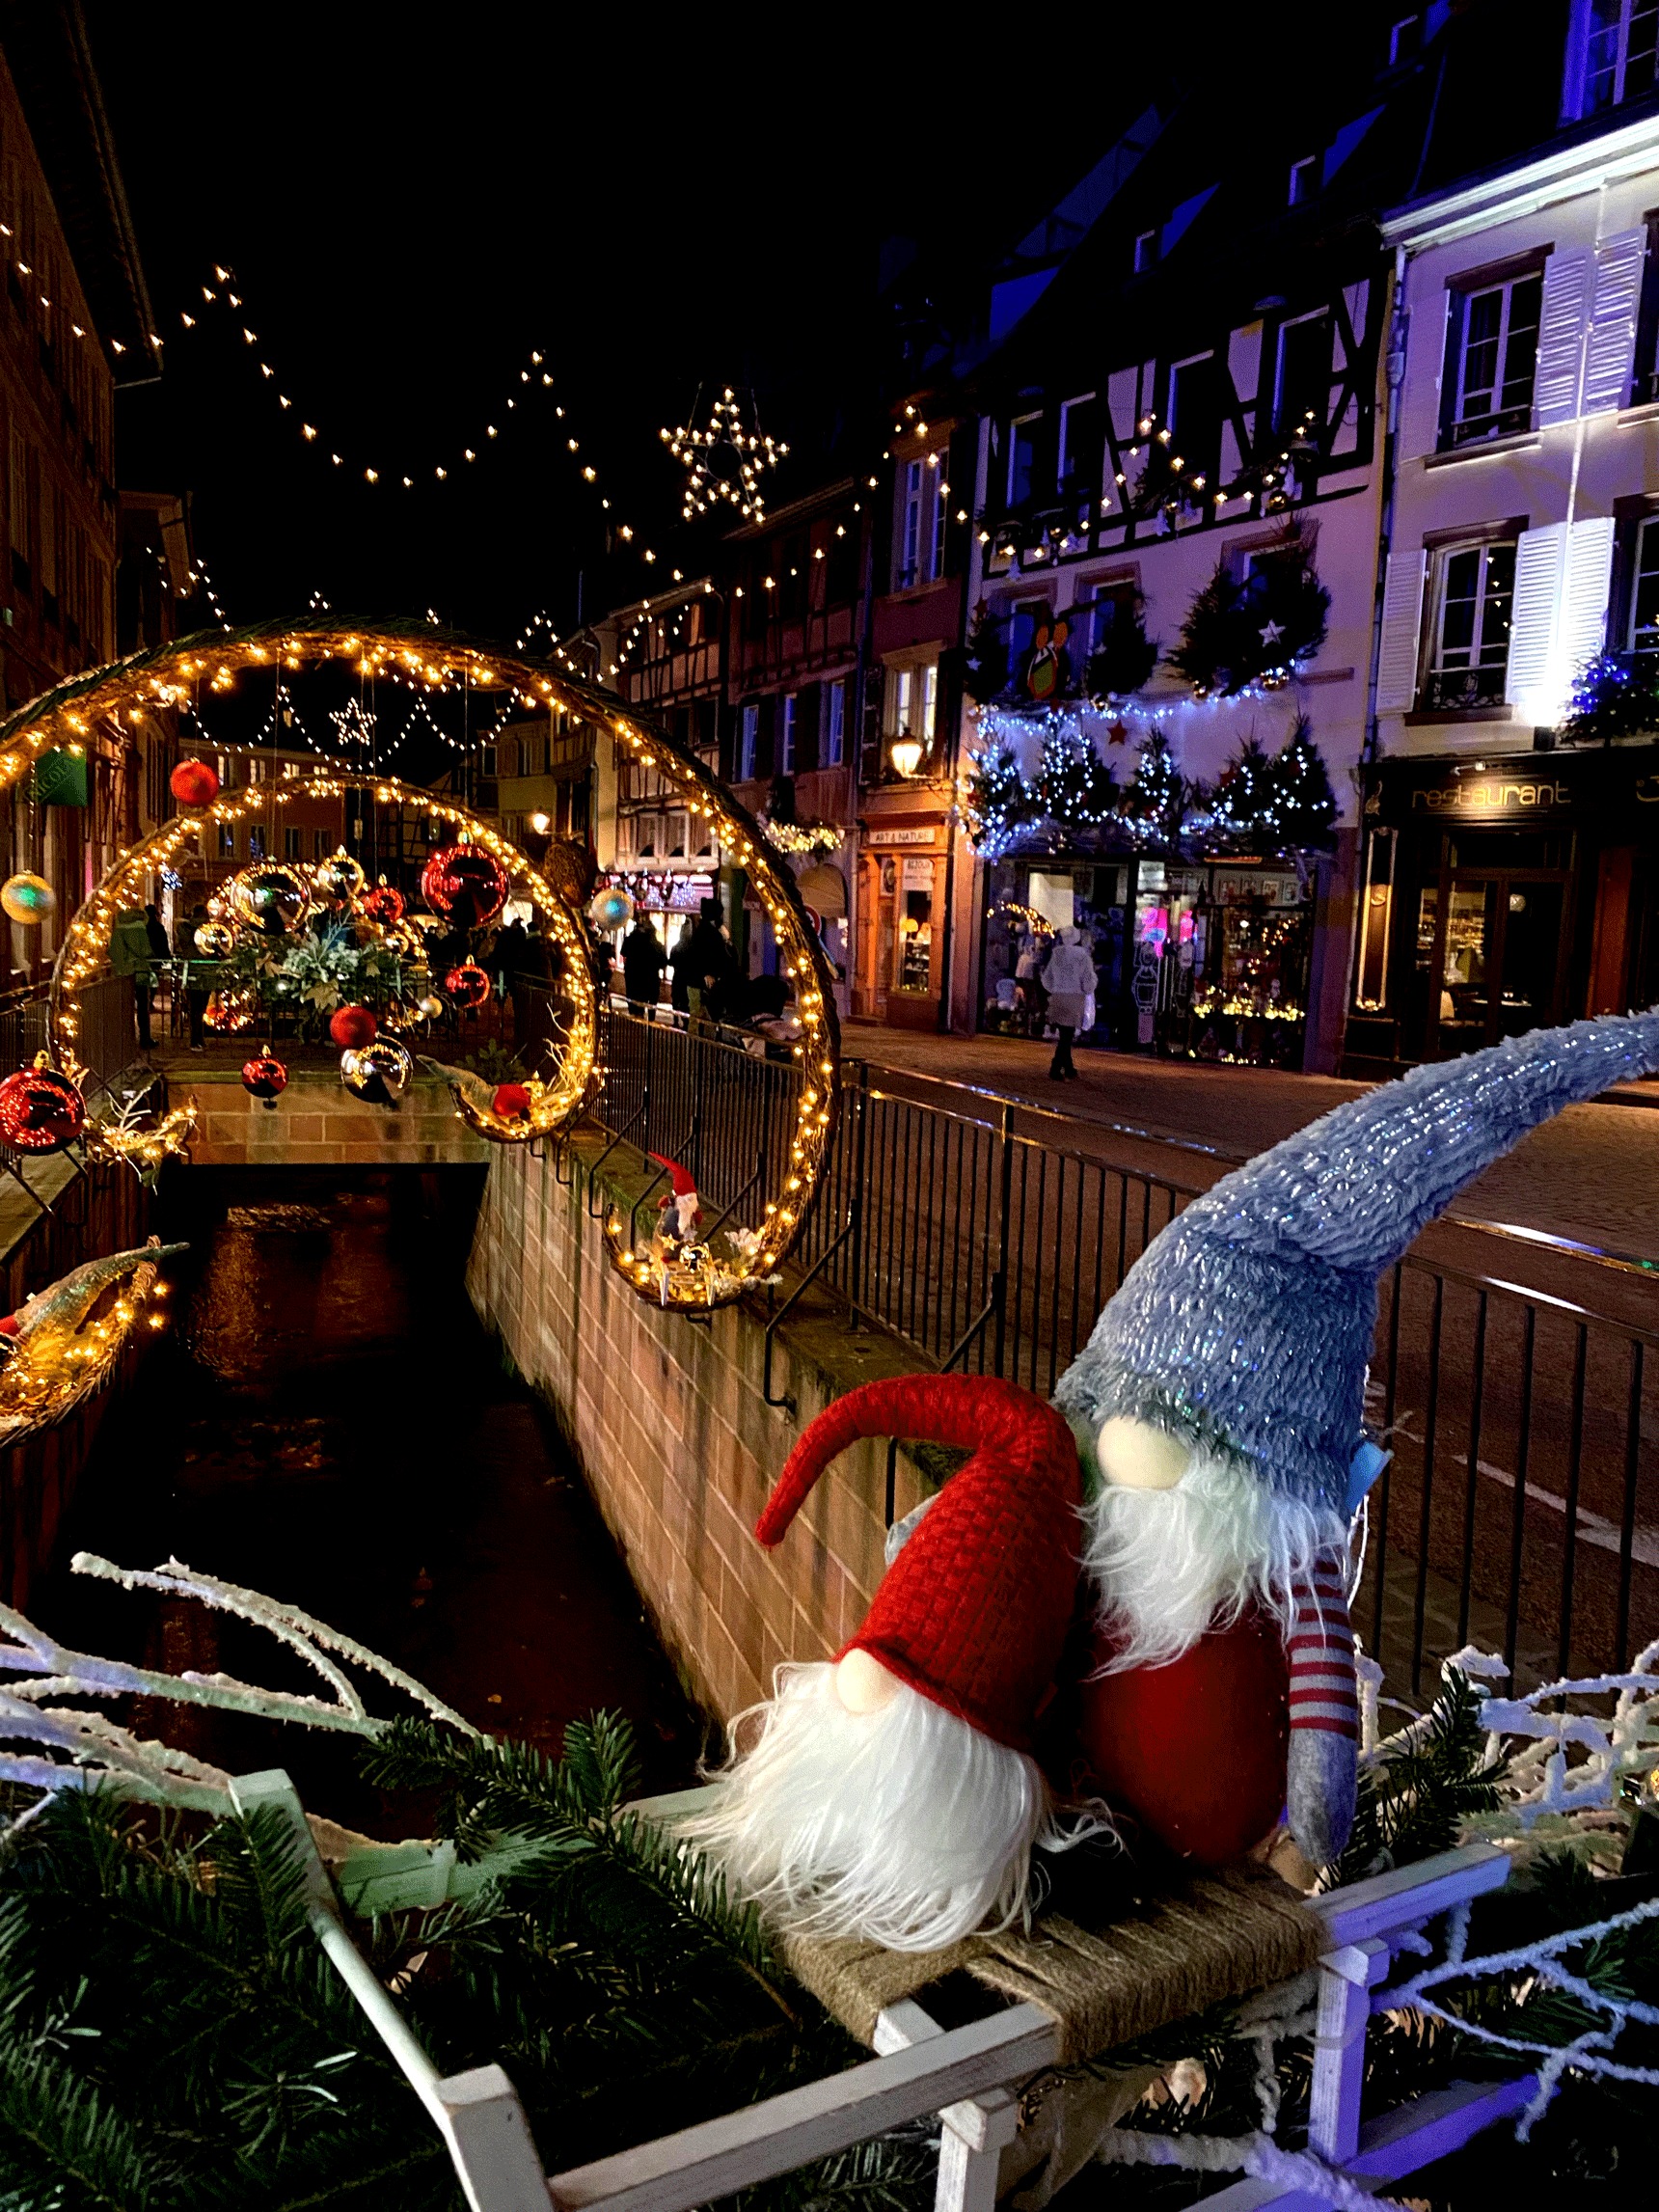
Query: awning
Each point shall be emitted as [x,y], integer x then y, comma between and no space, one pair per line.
[825,889]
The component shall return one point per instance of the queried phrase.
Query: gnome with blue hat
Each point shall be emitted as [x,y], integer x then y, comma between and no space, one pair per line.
[1218,1409]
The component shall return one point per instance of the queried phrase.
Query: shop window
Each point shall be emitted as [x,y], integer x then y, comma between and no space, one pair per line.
[1376,922]
[1492,353]
[832,731]
[1475,587]
[915,926]
[292,838]
[1302,380]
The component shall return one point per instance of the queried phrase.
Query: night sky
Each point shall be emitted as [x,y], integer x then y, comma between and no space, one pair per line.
[407,221]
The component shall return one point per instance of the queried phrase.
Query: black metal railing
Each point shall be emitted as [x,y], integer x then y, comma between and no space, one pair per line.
[1520,1509]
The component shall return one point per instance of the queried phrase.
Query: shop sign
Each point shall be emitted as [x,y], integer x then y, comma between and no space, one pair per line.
[899,836]
[1493,795]
[918,875]
[1239,887]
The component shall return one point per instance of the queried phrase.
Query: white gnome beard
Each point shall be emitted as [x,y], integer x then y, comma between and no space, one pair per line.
[904,1826]
[1169,1564]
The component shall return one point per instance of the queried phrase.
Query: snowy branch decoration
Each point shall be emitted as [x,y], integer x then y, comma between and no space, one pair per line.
[82,1750]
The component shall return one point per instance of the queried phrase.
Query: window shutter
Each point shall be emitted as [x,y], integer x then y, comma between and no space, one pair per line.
[1608,357]
[1561,337]
[1402,631]
[1584,601]
[1532,614]
[1428,358]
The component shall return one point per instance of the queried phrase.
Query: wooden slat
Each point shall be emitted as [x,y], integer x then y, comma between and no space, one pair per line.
[678,2172]
[1411,1894]
[1433,2126]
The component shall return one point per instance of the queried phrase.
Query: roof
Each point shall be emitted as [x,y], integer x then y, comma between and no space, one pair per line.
[46,50]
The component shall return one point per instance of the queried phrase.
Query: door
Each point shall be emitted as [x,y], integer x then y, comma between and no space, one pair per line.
[1500,957]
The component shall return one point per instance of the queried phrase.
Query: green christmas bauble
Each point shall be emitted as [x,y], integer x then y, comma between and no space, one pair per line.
[28,899]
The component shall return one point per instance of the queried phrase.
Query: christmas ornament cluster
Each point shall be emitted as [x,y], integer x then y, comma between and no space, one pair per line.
[320,945]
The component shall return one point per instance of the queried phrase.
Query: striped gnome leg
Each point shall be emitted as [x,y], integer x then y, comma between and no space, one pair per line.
[1323,1759]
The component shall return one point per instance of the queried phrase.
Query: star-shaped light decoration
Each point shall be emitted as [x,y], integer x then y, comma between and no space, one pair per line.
[726,459]
[1271,633]
[1118,732]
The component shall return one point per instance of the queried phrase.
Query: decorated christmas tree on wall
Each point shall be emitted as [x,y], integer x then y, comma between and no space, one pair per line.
[996,800]
[1074,785]
[1615,695]
[1154,800]
[1303,799]
[1125,657]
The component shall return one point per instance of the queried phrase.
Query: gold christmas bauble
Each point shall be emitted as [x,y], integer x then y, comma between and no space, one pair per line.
[28,900]
[215,940]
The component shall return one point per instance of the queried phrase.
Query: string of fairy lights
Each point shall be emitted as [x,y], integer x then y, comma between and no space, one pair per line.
[531,379]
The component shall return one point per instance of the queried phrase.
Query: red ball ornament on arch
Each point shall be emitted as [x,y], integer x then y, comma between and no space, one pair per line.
[193,783]
[468,985]
[352,1028]
[465,884]
[41,1110]
[383,904]
[265,1078]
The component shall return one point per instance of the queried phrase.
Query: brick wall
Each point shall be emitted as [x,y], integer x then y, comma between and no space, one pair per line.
[670,1427]
[317,1121]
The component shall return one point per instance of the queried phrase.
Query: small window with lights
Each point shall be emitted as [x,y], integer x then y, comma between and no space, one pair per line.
[1491,356]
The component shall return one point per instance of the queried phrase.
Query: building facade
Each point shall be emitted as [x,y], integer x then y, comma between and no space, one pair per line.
[1511,872]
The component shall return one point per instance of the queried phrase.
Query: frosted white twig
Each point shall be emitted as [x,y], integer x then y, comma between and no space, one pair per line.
[95,1751]
[1256,2155]
[264,1612]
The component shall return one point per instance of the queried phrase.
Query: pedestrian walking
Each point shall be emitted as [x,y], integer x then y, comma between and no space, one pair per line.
[1069,979]
[130,954]
[644,961]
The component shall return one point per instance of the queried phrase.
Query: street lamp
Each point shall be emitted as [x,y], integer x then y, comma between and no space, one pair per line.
[905,755]
[541,824]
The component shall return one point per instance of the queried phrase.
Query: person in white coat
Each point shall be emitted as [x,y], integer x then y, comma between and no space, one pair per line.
[1069,979]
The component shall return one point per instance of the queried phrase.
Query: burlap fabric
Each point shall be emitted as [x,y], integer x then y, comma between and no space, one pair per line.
[1214,1937]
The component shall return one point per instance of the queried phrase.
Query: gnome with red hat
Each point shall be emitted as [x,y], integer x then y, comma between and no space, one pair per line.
[892,1793]
[678,1205]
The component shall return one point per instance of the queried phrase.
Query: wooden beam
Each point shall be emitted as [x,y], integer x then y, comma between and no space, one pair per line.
[1433,2126]
[679,2171]
[1411,1894]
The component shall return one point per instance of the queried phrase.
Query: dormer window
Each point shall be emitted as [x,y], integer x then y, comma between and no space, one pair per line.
[1304,179]
[1146,252]
[1620,51]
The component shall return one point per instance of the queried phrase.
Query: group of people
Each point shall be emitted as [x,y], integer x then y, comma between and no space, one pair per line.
[705,981]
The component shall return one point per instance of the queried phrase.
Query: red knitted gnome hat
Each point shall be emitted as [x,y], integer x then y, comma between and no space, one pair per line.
[974,1610]
[681,1181]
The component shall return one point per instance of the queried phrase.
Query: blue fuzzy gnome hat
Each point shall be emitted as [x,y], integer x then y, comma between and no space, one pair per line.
[1246,1325]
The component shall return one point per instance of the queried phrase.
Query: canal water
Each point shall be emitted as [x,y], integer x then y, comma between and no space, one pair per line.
[324,1420]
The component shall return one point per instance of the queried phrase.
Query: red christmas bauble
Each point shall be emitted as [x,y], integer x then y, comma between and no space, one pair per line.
[41,1110]
[193,783]
[383,904]
[11,1326]
[1196,1751]
[265,1078]
[512,1101]
[465,883]
[468,985]
[352,1028]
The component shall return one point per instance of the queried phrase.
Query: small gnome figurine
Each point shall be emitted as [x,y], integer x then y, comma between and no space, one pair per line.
[1218,1409]
[892,1794]
[678,1205]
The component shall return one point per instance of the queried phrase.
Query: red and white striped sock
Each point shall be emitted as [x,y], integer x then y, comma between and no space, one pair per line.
[1324,1692]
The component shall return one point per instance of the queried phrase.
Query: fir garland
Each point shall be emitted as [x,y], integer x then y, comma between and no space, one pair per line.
[1125,657]
[1614,696]
[1255,629]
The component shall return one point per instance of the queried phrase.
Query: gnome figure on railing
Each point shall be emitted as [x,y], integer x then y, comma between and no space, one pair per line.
[892,1794]
[1218,1409]
[680,1207]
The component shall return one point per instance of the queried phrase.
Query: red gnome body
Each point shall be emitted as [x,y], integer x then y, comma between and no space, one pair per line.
[891,1794]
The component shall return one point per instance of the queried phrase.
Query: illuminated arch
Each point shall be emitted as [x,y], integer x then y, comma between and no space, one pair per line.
[420,655]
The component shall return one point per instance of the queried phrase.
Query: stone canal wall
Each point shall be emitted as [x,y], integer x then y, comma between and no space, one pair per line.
[669,1426]
[319,1122]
